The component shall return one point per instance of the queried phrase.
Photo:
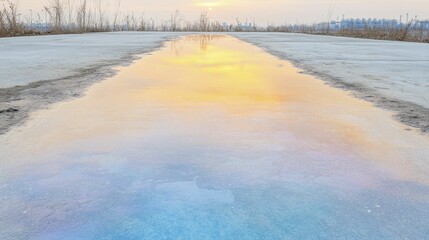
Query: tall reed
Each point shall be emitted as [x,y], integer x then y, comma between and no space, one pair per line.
[80,16]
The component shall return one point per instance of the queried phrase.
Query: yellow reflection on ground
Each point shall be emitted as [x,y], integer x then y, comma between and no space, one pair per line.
[246,91]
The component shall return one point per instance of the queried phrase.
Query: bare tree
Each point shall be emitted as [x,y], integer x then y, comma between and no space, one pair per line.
[204,22]
[81,16]
[175,21]
[116,16]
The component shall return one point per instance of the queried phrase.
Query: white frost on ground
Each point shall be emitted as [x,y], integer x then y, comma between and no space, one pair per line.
[38,58]
[397,70]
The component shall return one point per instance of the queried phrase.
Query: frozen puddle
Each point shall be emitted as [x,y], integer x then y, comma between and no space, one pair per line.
[211,138]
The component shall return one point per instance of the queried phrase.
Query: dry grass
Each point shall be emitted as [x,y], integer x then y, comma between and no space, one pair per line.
[80,16]
[10,23]
[405,33]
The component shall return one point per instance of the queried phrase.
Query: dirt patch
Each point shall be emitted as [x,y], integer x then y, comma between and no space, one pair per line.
[39,95]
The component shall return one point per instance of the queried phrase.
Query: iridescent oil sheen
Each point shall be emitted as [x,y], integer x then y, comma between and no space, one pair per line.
[212,138]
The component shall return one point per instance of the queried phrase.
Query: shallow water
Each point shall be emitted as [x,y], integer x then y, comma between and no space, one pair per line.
[211,138]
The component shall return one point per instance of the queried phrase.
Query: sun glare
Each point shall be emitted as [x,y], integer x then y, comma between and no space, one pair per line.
[210,4]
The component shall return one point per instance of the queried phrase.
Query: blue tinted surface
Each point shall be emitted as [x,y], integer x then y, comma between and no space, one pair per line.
[210,138]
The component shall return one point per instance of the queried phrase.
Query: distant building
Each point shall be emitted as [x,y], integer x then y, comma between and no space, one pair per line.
[362,23]
[422,24]
[246,26]
[39,26]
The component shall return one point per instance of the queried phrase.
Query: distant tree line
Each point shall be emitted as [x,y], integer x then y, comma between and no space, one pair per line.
[82,16]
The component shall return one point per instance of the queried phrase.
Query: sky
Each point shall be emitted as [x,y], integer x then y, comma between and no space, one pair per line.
[264,11]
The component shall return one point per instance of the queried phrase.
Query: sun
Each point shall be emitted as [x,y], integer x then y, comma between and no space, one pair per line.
[210,4]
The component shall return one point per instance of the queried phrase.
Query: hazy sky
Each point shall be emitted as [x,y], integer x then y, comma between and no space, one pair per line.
[263,11]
